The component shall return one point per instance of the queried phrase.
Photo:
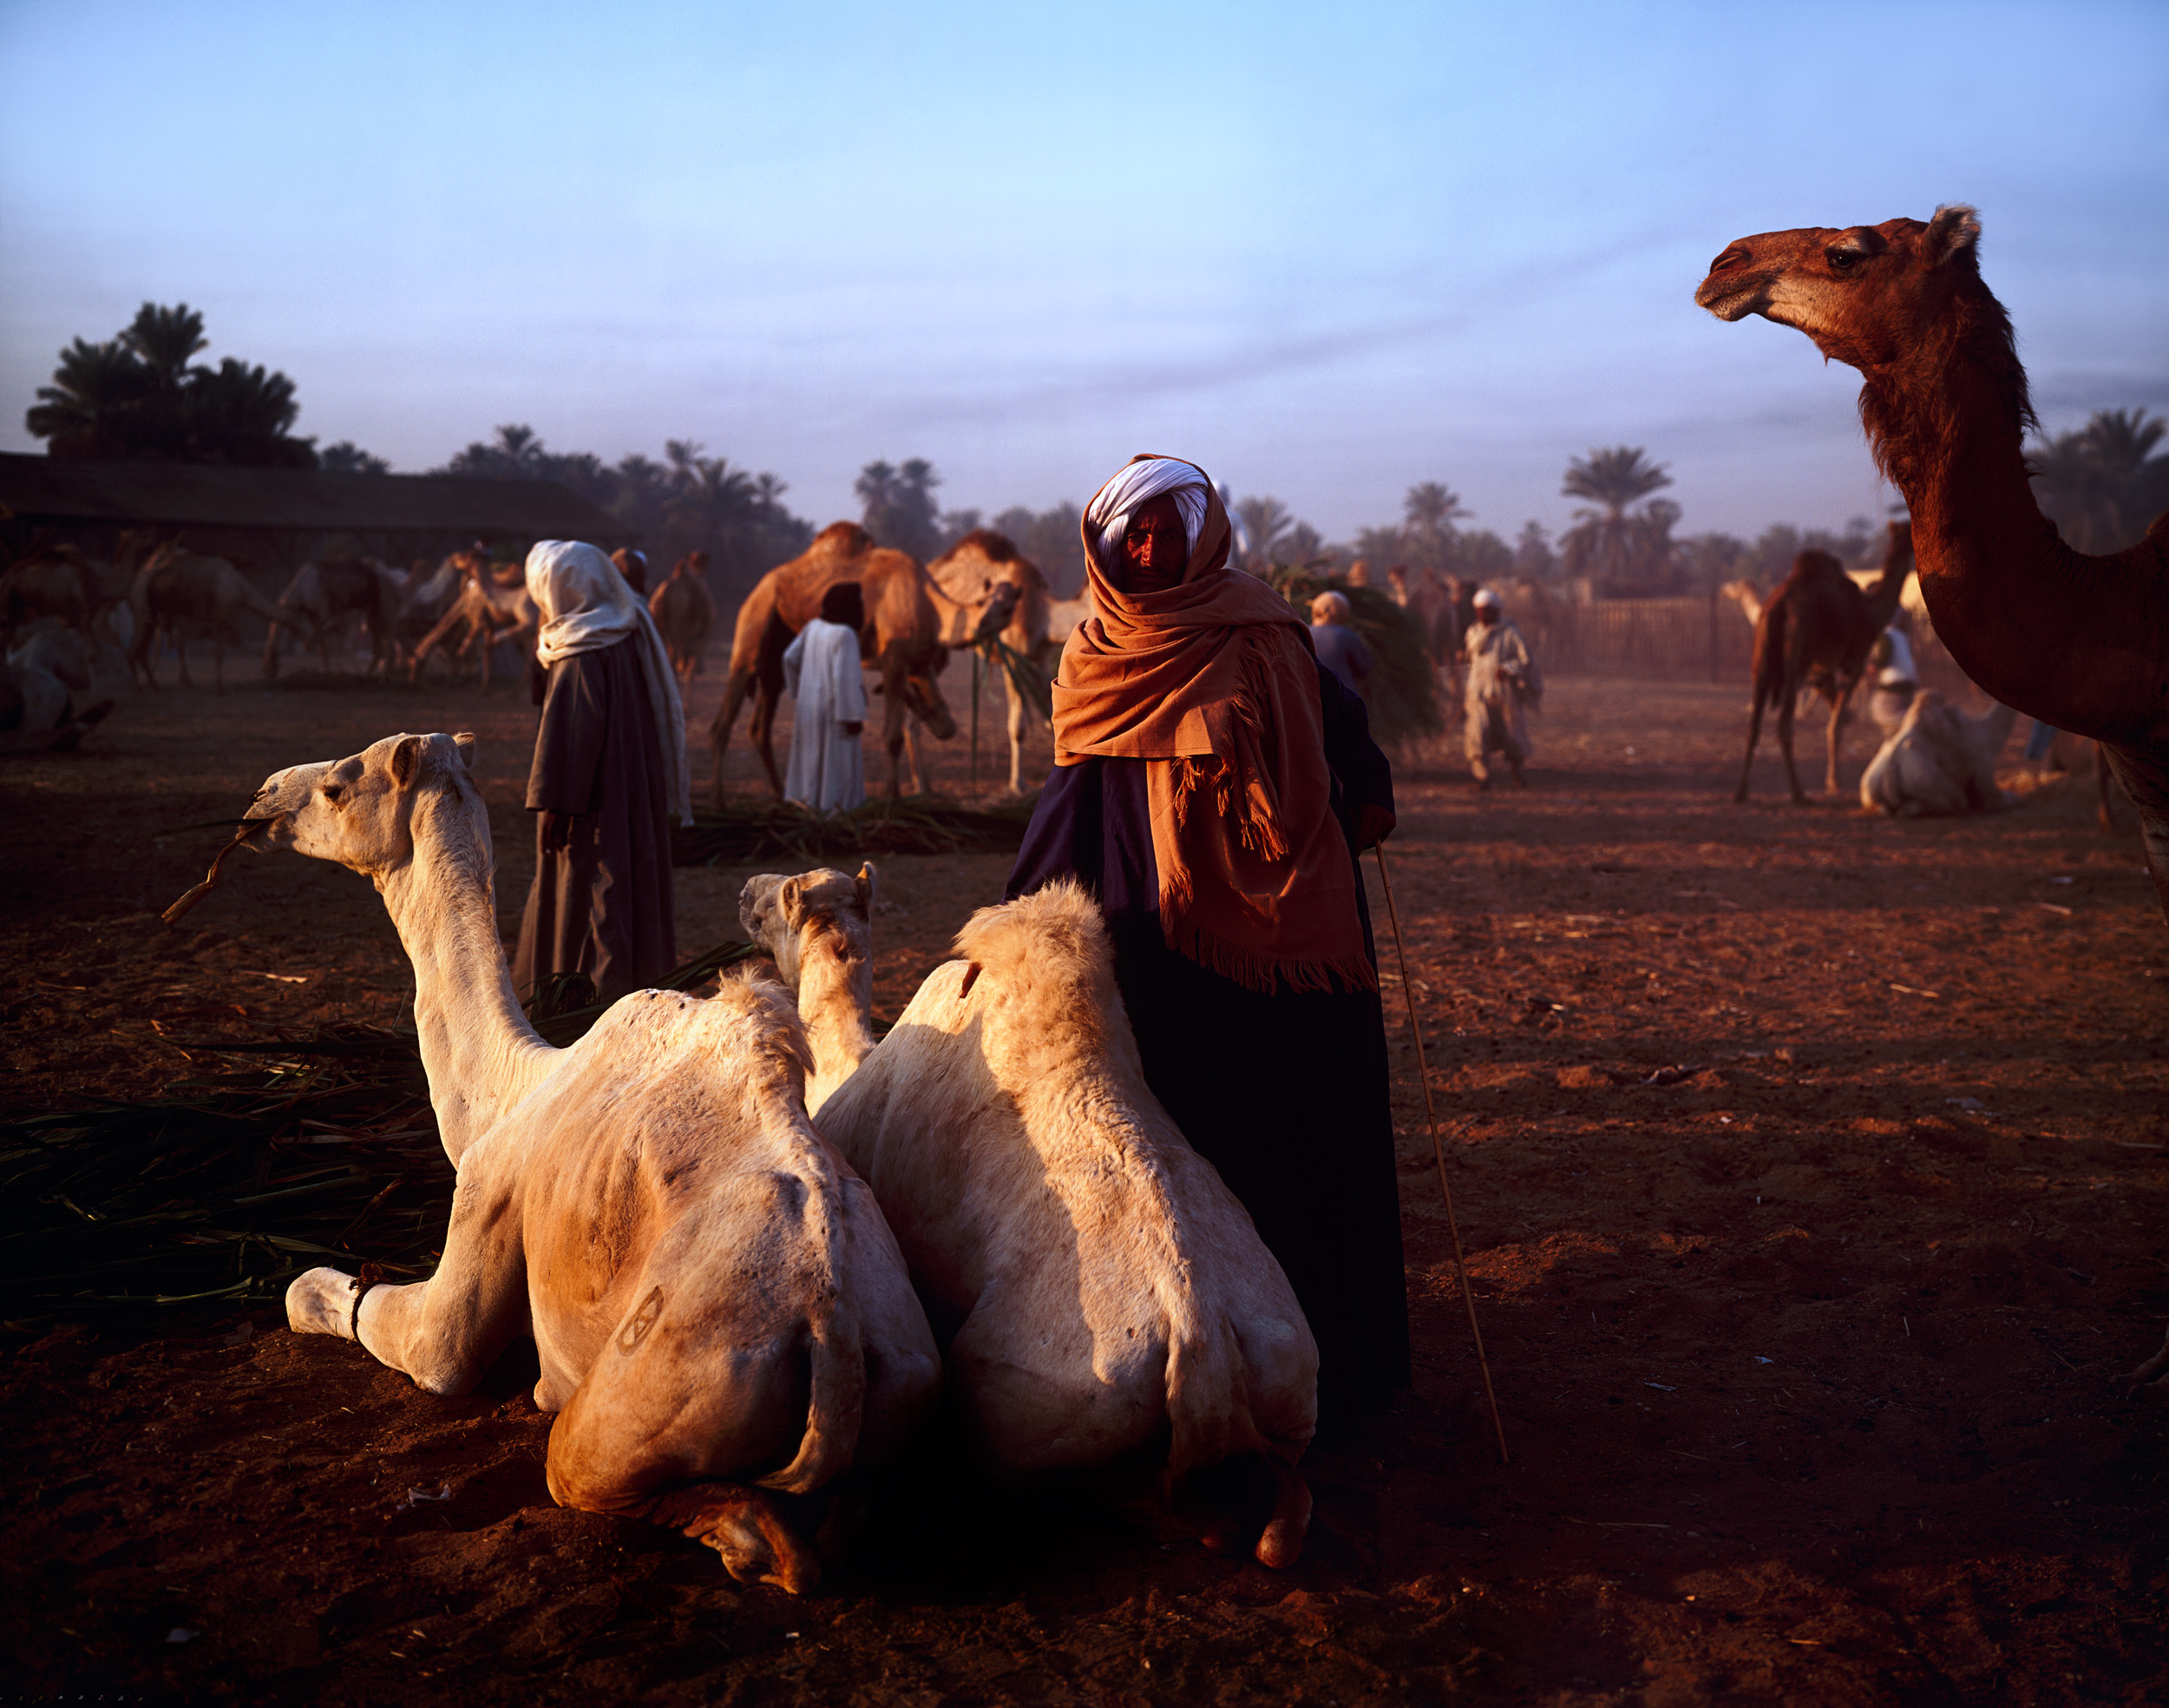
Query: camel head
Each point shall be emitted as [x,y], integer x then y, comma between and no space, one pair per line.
[778,913]
[1867,294]
[921,693]
[359,811]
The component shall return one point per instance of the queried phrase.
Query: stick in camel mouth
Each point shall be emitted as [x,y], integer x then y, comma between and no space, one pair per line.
[248,832]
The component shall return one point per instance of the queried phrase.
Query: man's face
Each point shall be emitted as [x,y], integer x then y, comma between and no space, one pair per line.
[1154,548]
[1487,614]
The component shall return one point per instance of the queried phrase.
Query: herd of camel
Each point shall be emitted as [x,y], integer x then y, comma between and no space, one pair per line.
[762,1252]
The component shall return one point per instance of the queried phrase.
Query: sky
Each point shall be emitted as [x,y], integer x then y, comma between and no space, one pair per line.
[1324,251]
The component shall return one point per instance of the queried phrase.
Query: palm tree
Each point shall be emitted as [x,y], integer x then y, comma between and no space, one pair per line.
[1266,522]
[1605,543]
[238,414]
[2102,483]
[166,338]
[1431,509]
[87,409]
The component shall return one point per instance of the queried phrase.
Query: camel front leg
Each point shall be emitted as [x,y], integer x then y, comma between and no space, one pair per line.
[892,730]
[734,692]
[271,654]
[1016,734]
[911,755]
[760,729]
[1837,735]
[444,1332]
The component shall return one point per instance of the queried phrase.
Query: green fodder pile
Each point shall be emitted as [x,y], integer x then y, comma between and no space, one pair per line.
[1403,691]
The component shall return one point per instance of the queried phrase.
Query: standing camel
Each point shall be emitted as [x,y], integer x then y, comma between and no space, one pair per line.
[322,595]
[972,575]
[2077,641]
[1815,632]
[178,590]
[902,639]
[684,613]
[487,609]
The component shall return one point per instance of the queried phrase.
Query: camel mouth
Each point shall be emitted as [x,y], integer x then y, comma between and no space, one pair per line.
[1731,295]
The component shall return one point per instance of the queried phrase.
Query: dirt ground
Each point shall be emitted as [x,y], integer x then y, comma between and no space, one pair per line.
[1803,1348]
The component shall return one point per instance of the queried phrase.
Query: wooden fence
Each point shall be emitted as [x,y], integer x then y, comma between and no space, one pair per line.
[1703,639]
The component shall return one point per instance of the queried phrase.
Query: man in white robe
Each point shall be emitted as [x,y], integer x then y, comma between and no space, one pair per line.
[821,668]
[1503,678]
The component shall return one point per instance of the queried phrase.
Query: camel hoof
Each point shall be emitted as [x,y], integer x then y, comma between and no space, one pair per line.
[321,1301]
[743,1527]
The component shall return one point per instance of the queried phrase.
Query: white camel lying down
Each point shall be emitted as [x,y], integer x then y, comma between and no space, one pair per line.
[1111,1292]
[1938,761]
[718,1308]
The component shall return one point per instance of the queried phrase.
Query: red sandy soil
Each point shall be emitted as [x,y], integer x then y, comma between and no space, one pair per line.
[1804,1359]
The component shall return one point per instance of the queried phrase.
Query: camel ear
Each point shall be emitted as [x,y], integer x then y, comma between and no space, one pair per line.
[1953,232]
[865,886]
[787,896]
[406,760]
[464,740]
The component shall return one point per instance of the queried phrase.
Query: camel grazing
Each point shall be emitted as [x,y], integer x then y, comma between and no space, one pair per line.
[1817,631]
[684,613]
[2077,641]
[720,1313]
[177,591]
[322,596]
[1939,762]
[994,592]
[490,608]
[902,639]
[1103,1294]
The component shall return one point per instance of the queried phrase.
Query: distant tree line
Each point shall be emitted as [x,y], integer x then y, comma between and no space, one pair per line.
[141,394]
[686,503]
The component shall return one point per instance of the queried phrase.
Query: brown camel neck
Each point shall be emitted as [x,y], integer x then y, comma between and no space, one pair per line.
[2078,641]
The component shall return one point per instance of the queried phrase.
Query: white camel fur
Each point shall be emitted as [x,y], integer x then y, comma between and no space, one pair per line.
[1938,761]
[1112,1294]
[718,1310]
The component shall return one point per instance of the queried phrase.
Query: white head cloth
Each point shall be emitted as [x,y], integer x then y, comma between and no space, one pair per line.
[1487,596]
[587,605]
[1137,483]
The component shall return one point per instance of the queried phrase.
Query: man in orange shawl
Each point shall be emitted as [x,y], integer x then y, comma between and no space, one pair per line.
[1212,785]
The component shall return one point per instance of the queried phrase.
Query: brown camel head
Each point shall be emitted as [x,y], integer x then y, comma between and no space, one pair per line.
[1867,294]
[922,693]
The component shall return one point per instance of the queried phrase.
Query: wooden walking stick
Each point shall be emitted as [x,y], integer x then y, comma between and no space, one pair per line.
[1438,1151]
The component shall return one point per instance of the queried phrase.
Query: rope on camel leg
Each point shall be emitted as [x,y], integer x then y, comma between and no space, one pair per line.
[1438,1152]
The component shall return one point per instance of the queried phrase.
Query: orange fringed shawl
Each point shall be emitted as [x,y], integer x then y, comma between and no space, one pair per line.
[1214,683]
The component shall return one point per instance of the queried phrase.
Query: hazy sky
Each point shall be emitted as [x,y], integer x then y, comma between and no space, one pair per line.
[1324,250]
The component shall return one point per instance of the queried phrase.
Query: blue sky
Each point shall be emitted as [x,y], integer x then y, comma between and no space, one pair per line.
[1327,252]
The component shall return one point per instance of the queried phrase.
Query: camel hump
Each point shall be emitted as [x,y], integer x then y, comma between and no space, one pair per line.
[1054,936]
[845,539]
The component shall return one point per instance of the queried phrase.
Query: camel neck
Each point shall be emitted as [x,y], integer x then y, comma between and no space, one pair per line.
[835,1001]
[479,1053]
[2075,641]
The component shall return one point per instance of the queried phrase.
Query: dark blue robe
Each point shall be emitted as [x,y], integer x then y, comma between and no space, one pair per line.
[1285,1093]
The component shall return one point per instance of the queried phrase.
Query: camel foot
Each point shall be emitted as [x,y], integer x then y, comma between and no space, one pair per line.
[1282,1544]
[1252,1496]
[747,1528]
[321,1301]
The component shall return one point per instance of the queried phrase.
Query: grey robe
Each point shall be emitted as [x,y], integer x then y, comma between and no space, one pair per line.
[604,907]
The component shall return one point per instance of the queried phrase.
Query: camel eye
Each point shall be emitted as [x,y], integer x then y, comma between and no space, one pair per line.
[1842,260]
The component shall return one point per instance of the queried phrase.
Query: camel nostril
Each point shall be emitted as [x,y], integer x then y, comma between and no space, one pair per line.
[1733,260]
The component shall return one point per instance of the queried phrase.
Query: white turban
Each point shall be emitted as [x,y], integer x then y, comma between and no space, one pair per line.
[1136,484]
[587,605]
[1486,597]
